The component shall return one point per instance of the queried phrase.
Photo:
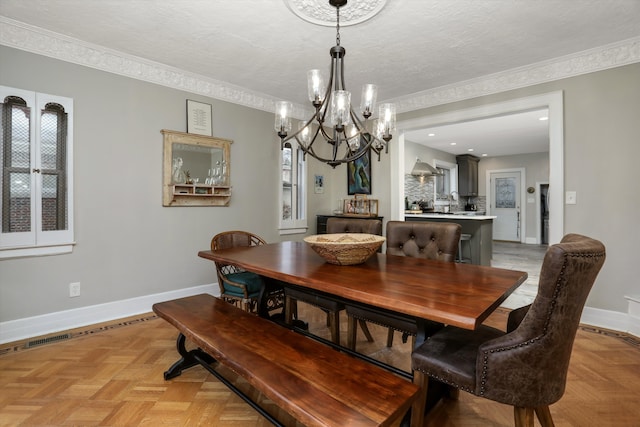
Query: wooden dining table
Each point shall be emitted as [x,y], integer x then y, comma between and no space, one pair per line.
[457,294]
[462,295]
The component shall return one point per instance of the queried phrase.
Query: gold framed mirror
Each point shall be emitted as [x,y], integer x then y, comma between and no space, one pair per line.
[196,170]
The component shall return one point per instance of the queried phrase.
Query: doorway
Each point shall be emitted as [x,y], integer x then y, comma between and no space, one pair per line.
[543,213]
[553,101]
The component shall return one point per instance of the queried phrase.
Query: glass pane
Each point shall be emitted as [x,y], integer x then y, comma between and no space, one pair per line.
[505,193]
[54,212]
[443,184]
[20,137]
[287,202]
[49,140]
[17,212]
[300,181]
[53,167]
[287,187]
[15,160]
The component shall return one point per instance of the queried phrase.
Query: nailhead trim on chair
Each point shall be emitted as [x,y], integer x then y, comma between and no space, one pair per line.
[442,380]
[531,341]
[547,320]
[483,378]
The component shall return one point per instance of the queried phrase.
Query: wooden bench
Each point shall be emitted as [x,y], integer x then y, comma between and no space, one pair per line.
[317,385]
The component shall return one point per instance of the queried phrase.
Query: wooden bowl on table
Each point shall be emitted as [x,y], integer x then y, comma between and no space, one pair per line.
[345,248]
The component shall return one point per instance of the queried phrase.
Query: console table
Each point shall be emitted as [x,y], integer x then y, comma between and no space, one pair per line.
[321,221]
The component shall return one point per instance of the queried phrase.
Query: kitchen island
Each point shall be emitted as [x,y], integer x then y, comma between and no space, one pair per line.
[480,227]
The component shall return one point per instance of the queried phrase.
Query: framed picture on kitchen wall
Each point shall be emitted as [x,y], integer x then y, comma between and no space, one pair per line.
[359,175]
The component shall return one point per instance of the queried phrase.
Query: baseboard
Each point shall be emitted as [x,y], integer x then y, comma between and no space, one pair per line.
[634,314]
[606,319]
[15,330]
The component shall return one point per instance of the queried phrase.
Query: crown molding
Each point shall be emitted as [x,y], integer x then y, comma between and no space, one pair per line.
[598,59]
[54,45]
[25,37]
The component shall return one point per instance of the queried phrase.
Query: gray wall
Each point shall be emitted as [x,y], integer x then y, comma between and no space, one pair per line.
[601,128]
[128,245]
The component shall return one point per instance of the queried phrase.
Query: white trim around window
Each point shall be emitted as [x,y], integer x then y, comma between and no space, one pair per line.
[45,140]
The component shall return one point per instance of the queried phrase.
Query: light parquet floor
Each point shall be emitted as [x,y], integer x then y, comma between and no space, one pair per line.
[112,375]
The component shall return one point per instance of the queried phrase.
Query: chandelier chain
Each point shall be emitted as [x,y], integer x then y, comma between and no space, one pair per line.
[338,26]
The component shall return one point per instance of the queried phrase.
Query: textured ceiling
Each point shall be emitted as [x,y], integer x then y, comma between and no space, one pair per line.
[408,47]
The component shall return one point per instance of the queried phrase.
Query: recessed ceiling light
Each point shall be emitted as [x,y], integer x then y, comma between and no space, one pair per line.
[542,119]
[484,154]
[470,149]
[453,143]
[432,134]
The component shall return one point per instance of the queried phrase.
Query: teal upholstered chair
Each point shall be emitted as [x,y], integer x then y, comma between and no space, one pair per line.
[237,286]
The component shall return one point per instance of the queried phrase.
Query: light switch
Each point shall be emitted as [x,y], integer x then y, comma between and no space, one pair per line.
[570,198]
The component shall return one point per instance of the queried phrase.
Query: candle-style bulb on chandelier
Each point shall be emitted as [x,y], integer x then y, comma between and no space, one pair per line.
[334,120]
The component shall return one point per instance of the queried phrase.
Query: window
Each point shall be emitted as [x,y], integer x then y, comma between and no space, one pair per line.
[446,183]
[293,200]
[35,156]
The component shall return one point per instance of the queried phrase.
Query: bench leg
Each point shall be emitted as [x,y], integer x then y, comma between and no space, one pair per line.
[187,360]
[199,357]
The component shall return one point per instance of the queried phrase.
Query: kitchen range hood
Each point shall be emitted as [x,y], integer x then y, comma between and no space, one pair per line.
[424,169]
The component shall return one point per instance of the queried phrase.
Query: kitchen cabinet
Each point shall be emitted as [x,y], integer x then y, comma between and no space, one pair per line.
[467,175]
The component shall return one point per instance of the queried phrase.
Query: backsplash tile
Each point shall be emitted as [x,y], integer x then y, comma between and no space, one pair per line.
[422,188]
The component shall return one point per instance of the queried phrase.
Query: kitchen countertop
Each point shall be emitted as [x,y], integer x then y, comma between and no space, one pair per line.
[464,215]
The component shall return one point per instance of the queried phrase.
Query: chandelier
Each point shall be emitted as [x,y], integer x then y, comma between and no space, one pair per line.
[334,120]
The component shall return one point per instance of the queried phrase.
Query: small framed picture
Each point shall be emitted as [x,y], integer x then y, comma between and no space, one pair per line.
[199,118]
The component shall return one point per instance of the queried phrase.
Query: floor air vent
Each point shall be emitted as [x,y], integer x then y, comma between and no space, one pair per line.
[47,340]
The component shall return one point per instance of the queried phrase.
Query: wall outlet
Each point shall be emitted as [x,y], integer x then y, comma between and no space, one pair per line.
[74,289]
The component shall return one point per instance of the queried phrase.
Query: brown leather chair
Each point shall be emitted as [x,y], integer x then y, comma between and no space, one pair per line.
[238,286]
[431,240]
[527,366]
[331,306]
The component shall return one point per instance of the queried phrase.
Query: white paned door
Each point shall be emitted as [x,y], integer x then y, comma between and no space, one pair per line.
[505,204]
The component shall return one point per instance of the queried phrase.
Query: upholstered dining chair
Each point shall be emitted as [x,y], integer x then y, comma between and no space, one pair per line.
[525,367]
[331,306]
[238,286]
[354,225]
[431,240]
